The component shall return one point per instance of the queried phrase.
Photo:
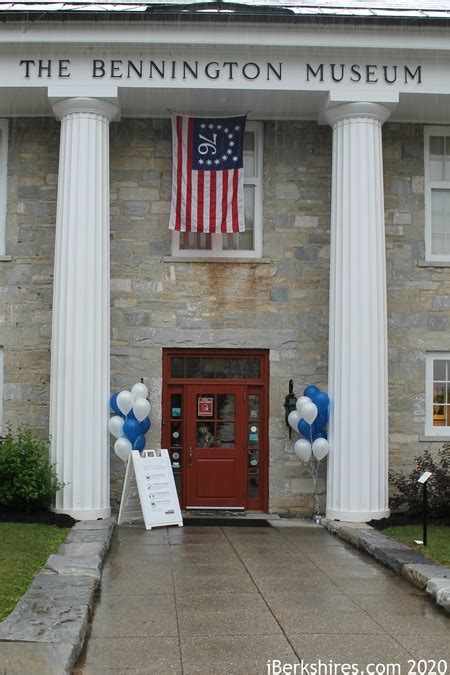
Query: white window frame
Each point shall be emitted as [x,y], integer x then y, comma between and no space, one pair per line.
[4,126]
[216,250]
[428,185]
[431,430]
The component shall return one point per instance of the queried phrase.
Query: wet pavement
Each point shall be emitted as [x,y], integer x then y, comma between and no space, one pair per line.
[211,600]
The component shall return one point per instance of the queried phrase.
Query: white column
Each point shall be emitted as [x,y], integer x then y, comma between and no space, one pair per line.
[358,460]
[80,333]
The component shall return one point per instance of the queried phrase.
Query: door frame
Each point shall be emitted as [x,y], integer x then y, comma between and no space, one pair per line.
[177,385]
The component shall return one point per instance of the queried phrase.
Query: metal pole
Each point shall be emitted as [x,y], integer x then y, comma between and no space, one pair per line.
[424,514]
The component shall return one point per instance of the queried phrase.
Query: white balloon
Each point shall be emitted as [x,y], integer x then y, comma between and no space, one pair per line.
[309,412]
[302,449]
[139,390]
[123,448]
[125,400]
[293,420]
[301,401]
[115,425]
[320,448]
[141,409]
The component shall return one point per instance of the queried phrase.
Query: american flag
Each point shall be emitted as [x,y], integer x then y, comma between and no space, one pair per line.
[207,174]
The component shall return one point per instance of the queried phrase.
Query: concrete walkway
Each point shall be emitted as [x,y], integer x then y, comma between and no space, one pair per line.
[211,600]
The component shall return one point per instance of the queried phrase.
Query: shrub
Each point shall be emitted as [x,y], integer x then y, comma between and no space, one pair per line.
[410,492]
[27,479]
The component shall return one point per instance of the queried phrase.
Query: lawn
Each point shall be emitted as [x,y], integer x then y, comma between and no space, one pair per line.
[438,546]
[24,548]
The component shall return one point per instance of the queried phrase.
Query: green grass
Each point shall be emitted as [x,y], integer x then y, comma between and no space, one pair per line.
[438,546]
[24,548]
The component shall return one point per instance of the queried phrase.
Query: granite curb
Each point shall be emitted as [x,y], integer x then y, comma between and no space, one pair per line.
[423,573]
[44,633]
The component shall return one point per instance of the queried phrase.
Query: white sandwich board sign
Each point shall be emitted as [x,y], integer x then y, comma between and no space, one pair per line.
[149,491]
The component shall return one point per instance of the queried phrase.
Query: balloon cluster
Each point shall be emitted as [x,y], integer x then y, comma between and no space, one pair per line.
[131,421]
[310,420]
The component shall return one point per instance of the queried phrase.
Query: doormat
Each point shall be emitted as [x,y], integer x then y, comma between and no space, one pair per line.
[233,521]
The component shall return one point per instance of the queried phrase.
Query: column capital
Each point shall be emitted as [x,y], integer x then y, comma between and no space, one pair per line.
[101,100]
[344,111]
[84,104]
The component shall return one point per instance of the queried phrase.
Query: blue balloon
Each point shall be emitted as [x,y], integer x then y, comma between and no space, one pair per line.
[321,421]
[322,401]
[319,434]
[131,415]
[305,429]
[113,404]
[131,430]
[139,443]
[311,391]
[145,425]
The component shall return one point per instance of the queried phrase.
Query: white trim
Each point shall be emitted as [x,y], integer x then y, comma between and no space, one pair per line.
[4,124]
[428,185]
[2,370]
[430,430]
[216,250]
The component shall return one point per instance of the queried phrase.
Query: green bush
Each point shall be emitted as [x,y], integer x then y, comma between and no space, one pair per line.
[410,492]
[27,479]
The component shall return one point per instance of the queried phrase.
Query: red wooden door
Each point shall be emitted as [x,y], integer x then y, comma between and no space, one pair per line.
[215,439]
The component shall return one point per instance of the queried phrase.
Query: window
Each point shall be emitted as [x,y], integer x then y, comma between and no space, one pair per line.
[437,193]
[246,244]
[438,394]
[3,177]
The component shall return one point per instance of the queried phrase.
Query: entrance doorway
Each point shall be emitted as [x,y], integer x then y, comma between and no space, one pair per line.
[215,418]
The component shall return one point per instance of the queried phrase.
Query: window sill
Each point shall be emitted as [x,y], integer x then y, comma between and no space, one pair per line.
[433,263]
[215,259]
[434,439]
[5,258]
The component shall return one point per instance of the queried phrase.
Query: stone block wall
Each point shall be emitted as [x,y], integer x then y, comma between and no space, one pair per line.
[280,305]
[418,297]
[26,282]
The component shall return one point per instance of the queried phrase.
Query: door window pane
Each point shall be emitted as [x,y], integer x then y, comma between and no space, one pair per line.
[175,405]
[225,406]
[253,407]
[226,435]
[205,435]
[253,486]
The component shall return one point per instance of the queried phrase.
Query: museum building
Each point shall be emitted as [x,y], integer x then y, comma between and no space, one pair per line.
[341,277]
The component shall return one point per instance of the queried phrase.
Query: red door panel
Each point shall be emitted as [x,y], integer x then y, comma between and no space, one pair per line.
[215,438]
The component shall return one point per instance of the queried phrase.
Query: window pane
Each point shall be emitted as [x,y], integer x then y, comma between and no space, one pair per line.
[177,366]
[439,370]
[249,154]
[175,405]
[225,406]
[439,393]
[253,486]
[192,367]
[437,145]
[222,368]
[197,241]
[253,407]
[208,368]
[205,435]
[225,435]
[253,368]
[440,221]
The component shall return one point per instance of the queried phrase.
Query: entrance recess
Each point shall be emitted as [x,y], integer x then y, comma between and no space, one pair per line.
[215,412]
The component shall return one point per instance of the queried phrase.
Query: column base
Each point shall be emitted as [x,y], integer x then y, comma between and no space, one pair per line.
[356,516]
[86,514]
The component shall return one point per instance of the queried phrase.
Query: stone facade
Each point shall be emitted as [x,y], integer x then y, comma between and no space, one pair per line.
[280,304]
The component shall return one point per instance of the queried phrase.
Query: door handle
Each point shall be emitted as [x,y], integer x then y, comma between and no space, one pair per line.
[190,457]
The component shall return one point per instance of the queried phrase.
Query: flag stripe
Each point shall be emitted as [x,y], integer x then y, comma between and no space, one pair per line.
[201,180]
[189,174]
[179,170]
